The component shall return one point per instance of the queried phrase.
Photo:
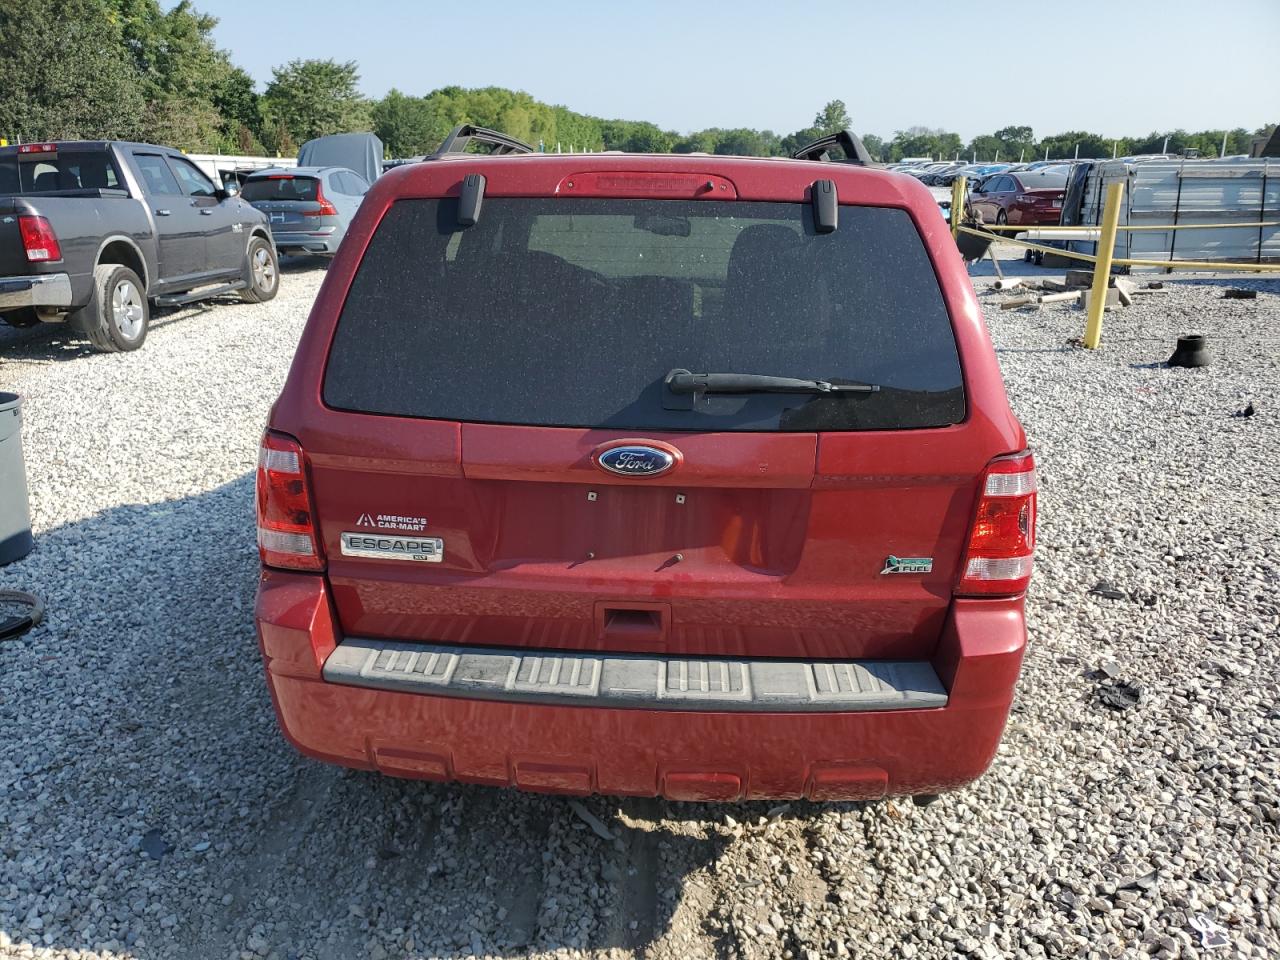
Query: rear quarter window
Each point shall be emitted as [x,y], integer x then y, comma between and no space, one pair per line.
[554,312]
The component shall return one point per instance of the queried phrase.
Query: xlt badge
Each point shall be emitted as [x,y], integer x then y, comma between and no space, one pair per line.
[389,546]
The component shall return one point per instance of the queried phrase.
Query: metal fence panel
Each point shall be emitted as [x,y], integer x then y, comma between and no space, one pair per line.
[1187,192]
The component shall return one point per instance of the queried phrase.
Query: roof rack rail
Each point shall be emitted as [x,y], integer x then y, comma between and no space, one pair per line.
[460,138]
[849,144]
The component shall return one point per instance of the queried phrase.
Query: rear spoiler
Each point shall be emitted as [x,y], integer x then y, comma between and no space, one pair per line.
[848,143]
[460,137]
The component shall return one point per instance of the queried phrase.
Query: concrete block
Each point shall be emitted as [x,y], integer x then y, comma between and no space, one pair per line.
[1113,298]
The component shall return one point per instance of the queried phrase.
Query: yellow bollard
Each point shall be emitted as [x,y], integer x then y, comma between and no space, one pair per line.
[1102,268]
[957,206]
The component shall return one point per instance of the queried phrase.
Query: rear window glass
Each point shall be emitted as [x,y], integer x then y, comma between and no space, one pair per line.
[556,312]
[1046,180]
[280,188]
[67,171]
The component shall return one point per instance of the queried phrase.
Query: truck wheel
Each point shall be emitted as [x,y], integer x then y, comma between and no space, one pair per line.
[117,317]
[22,317]
[262,272]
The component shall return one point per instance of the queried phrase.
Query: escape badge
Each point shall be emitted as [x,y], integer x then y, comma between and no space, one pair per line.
[390,546]
[894,564]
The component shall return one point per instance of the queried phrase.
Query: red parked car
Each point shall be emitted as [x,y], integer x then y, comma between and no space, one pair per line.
[1029,197]
[689,476]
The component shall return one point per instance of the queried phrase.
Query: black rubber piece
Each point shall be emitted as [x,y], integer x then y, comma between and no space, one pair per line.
[924,799]
[14,627]
[1191,352]
[470,199]
[826,206]
[973,248]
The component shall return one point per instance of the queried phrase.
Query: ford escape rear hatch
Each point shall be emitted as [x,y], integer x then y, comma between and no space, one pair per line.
[566,427]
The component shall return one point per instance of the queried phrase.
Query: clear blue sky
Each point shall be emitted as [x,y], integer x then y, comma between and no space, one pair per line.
[686,66]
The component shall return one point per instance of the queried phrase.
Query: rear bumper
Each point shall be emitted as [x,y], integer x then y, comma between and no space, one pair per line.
[680,754]
[322,243]
[37,290]
[1040,216]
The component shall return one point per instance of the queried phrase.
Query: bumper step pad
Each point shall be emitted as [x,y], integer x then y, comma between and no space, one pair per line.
[636,681]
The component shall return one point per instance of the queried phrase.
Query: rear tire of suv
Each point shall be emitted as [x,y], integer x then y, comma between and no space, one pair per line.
[261,272]
[119,315]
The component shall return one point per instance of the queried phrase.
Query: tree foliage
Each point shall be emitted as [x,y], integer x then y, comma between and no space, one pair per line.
[129,69]
[876,146]
[123,69]
[406,125]
[315,98]
[195,96]
[832,118]
[924,142]
[63,73]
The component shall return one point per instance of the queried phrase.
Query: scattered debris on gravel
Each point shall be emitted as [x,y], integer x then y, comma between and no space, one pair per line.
[149,807]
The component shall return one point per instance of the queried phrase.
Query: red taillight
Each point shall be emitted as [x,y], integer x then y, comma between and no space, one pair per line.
[39,240]
[327,209]
[1003,536]
[286,520]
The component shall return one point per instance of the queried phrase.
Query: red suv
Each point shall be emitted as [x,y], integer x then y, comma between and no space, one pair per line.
[639,474]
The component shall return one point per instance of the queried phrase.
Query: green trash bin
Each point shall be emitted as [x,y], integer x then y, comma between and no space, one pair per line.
[15,510]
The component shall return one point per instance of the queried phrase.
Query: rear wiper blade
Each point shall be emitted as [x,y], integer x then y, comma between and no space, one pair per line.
[684,383]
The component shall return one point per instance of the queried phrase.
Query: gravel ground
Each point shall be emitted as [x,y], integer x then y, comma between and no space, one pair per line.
[149,807]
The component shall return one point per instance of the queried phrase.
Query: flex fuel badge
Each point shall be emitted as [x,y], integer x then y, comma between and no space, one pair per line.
[894,564]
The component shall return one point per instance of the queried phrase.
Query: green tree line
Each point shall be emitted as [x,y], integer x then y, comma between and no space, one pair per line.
[128,69]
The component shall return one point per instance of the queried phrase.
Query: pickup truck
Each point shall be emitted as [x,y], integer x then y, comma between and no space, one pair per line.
[92,233]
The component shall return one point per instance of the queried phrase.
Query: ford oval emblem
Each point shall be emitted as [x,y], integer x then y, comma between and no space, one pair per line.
[636,460]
